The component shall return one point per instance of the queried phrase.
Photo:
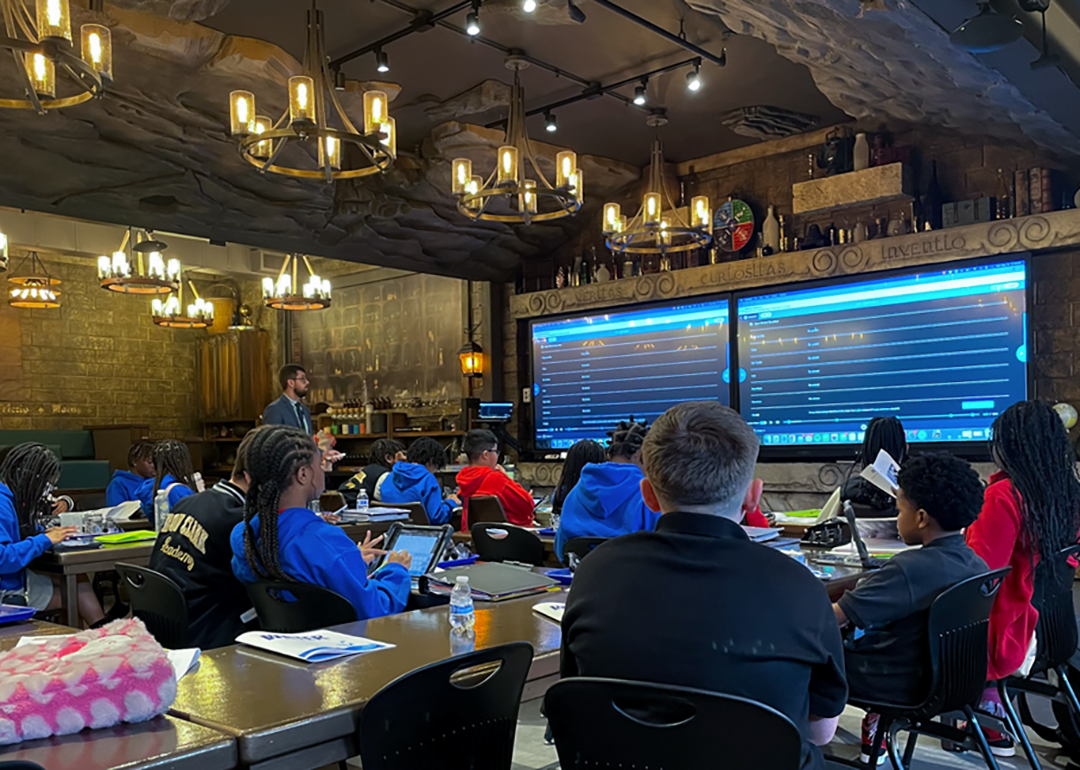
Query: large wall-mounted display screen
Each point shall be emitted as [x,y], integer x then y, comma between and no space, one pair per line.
[590,372]
[943,349]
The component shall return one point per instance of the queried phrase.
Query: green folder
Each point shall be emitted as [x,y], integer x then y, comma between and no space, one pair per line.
[126,538]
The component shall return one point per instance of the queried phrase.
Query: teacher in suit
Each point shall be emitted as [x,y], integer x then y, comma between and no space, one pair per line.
[289,409]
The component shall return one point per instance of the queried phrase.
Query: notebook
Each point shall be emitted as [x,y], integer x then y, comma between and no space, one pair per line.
[492,582]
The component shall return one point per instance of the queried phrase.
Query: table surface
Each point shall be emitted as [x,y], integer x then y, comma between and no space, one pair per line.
[274,705]
[93,559]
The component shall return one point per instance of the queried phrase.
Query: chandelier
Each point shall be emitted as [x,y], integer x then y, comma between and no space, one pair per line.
[659,227]
[262,142]
[46,47]
[287,294]
[32,286]
[507,195]
[200,313]
[152,273]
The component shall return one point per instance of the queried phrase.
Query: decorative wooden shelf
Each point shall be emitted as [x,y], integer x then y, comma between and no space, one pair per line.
[855,188]
[1038,232]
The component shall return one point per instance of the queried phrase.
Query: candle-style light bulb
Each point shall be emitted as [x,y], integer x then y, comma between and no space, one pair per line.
[267,287]
[461,173]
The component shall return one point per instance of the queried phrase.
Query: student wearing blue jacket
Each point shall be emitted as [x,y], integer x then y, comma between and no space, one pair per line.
[281,539]
[413,481]
[172,472]
[607,501]
[125,484]
[27,476]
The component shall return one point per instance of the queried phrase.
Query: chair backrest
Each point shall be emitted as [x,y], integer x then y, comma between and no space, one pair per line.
[507,542]
[91,501]
[617,723]
[957,627]
[158,602]
[460,712]
[1056,631]
[293,608]
[417,514]
[485,508]
[581,547]
[19,764]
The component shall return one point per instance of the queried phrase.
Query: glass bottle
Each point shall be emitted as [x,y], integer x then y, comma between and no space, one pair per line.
[1002,197]
[933,200]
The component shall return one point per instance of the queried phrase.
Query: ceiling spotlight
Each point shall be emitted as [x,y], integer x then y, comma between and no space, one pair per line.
[528,6]
[382,61]
[639,94]
[339,80]
[472,23]
[987,32]
[693,77]
[550,123]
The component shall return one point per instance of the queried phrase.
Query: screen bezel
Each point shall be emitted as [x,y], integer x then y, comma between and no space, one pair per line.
[624,308]
[972,450]
[444,534]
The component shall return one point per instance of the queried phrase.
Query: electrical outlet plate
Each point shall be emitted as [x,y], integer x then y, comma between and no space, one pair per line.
[526,395]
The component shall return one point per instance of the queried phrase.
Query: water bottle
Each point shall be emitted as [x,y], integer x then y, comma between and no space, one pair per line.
[362,501]
[462,614]
[161,509]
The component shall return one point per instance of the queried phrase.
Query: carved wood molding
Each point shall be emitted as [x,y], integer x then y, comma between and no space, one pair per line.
[1040,232]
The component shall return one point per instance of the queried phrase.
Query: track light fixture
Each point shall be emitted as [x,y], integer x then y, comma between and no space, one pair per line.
[472,22]
[339,80]
[640,94]
[528,6]
[382,61]
[549,123]
[693,77]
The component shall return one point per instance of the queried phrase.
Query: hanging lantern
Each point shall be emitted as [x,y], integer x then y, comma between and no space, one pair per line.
[471,357]
[31,286]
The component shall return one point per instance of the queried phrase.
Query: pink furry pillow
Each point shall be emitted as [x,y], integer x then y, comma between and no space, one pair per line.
[96,678]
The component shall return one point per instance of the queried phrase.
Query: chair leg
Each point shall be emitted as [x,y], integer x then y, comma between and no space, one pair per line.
[980,738]
[909,750]
[1016,726]
[1070,693]
[880,730]
[890,744]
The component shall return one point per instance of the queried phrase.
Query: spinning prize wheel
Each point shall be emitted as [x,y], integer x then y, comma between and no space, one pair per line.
[733,226]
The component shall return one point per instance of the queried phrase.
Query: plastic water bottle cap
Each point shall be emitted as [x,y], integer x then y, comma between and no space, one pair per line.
[462,580]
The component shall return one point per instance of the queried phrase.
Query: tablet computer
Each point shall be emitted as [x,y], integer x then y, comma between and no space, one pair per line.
[426,544]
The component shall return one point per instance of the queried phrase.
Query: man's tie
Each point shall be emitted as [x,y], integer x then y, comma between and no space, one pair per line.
[300,416]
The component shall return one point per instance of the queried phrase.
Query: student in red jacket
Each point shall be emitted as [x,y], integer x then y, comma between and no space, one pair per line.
[1030,511]
[484,476]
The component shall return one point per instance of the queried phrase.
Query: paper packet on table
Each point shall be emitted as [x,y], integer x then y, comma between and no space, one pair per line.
[882,474]
[313,646]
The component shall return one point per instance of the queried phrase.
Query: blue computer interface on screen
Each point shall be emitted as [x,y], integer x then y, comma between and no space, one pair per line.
[593,371]
[943,350]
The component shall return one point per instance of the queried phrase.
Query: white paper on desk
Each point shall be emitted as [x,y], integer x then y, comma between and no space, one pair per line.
[182,661]
[123,512]
[313,646]
[553,610]
[882,474]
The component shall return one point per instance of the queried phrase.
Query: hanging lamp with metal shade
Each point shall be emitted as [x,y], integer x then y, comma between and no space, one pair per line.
[286,293]
[31,286]
[139,266]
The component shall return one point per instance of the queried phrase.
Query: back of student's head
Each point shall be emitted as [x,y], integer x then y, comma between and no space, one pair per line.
[701,455]
[242,452]
[29,471]
[884,433]
[139,451]
[276,454]
[1030,443]
[289,372]
[427,451]
[173,458]
[626,439]
[577,457]
[944,486]
[478,441]
[384,448]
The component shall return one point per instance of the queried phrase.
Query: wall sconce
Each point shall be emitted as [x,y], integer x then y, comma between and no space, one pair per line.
[471,356]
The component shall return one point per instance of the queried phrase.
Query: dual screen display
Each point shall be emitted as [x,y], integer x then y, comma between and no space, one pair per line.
[943,349]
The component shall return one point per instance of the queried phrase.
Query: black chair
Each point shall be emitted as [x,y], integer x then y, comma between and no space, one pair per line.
[91,501]
[417,514]
[957,627]
[580,547]
[616,723]
[507,542]
[311,606]
[19,764]
[1056,636]
[158,602]
[462,711]
[485,508]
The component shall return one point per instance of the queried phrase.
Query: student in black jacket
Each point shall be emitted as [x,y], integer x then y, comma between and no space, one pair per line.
[384,453]
[193,549]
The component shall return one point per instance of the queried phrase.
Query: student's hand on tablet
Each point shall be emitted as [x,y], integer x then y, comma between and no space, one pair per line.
[59,534]
[368,549]
[404,558]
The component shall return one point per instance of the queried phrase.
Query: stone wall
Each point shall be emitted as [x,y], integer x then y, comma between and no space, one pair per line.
[96,360]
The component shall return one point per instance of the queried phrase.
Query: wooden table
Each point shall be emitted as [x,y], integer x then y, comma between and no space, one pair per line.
[11,633]
[70,564]
[287,714]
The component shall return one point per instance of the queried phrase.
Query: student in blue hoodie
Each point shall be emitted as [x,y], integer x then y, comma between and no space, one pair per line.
[607,502]
[172,472]
[27,476]
[413,481]
[125,484]
[280,538]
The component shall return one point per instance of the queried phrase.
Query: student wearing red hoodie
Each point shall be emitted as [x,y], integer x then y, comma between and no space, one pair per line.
[1031,511]
[484,476]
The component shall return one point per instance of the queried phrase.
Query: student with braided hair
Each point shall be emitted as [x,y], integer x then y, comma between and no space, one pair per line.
[1031,511]
[125,484]
[27,476]
[173,472]
[607,501]
[280,538]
